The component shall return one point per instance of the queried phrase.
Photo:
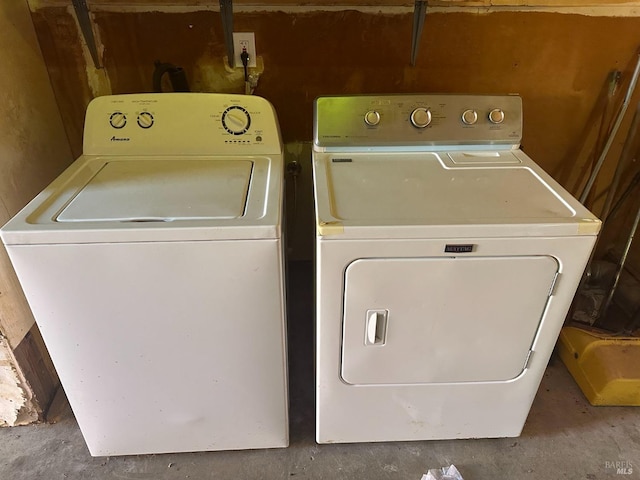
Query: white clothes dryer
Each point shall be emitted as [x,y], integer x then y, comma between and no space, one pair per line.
[154,269]
[446,261]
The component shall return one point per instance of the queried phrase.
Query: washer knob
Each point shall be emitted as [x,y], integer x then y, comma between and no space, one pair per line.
[372,118]
[145,120]
[118,120]
[469,117]
[496,116]
[420,117]
[236,120]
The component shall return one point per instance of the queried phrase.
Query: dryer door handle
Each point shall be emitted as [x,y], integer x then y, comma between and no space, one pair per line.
[376,327]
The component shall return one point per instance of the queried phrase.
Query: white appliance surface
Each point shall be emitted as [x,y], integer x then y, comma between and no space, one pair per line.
[415,193]
[446,262]
[154,269]
[165,190]
[421,188]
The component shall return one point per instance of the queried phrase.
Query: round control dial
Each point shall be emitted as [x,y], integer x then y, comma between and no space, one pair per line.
[118,120]
[236,120]
[372,118]
[469,117]
[145,120]
[420,117]
[496,116]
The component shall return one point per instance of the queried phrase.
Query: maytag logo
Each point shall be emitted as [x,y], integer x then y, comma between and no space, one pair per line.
[457,248]
[120,139]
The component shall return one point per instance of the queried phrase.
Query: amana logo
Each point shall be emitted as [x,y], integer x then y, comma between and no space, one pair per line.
[120,139]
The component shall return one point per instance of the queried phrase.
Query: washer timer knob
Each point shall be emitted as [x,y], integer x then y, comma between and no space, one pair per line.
[236,120]
[118,120]
[496,116]
[469,117]
[420,117]
[372,118]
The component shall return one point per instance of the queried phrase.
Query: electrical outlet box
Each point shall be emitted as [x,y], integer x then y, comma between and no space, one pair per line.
[246,40]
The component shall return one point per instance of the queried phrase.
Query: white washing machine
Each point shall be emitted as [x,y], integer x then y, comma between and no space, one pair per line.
[446,261]
[154,269]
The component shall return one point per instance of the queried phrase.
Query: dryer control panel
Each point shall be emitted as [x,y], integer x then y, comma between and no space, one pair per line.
[417,120]
[181,124]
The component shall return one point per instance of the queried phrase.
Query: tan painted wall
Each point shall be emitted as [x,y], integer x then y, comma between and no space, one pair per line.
[33,149]
[33,143]
[557,62]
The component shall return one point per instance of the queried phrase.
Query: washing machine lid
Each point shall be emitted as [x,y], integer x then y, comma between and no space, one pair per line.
[162,190]
[117,199]
[410,193]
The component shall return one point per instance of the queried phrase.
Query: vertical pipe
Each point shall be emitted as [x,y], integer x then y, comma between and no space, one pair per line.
[226,12]
[84,20]
[626,156]
[419,12]
[614,131]
[623,260]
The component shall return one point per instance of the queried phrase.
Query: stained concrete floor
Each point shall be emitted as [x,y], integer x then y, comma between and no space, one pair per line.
[564,438]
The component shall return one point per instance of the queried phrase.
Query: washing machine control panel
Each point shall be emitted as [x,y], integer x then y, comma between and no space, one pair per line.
[181,124]
[417,120]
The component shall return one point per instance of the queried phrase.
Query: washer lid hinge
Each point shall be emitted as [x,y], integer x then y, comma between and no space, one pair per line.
[554,284]
[527,360]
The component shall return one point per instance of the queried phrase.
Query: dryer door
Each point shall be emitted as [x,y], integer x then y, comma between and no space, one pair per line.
[440,320]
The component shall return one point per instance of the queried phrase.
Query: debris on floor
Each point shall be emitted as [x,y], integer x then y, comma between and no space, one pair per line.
[444,473]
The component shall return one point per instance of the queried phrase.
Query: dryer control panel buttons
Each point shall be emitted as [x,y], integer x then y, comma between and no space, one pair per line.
[496,116]
[469,117]
[372,118]
[421,117]
[417,121]
[236,120]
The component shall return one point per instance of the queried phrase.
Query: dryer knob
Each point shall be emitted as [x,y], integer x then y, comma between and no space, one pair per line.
[496,116]
[469,117]
[420,117]
[372,118]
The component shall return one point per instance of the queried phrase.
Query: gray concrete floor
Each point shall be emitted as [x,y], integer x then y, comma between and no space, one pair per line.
[564,438]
